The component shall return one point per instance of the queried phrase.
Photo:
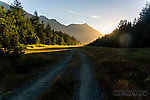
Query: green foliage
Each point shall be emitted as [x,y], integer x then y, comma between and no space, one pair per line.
[48,32]
[136,34]
[16,30]
[48,36]
[61,41]
[9,37]
[31,37]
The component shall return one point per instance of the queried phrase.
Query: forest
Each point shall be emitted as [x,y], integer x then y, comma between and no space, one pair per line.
[16,31]
[129,34]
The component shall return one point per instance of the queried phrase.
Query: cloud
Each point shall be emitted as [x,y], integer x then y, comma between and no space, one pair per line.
[96,17]
[71,11]
[82,14]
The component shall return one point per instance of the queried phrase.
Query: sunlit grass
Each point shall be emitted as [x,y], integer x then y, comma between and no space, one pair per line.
[44,51]
[41,46]
[47,48]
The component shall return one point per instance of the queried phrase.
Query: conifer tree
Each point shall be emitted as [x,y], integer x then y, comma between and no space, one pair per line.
[48,32]
[9,37]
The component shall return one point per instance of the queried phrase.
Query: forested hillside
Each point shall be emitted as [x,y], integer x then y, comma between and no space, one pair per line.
[136,34]
[82,32]
[16,31]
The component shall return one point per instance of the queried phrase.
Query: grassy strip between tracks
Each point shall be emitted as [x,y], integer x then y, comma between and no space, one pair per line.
[63,86]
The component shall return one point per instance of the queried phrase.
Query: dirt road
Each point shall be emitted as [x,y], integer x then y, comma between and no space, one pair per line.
[87,90]
[33,89]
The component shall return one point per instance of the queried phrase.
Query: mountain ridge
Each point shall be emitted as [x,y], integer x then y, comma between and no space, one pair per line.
[82,32]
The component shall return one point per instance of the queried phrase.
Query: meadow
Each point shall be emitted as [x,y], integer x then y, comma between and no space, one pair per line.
[120,69]
[114,69]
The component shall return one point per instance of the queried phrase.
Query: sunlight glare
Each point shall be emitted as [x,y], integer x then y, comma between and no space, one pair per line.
[108,28]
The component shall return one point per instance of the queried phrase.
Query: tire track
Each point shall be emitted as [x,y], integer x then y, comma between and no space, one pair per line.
[33,89]
[89,89]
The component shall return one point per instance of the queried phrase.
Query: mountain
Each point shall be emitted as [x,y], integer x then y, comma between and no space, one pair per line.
[7,7]
[82,32]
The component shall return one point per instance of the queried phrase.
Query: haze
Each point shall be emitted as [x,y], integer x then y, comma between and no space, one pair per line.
[102,15]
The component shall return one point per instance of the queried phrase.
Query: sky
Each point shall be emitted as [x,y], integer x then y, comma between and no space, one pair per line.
[103,15]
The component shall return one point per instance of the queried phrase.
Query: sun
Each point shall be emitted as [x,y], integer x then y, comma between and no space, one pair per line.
[109,28]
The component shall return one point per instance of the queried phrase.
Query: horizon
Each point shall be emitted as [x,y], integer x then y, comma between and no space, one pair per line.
[103,19]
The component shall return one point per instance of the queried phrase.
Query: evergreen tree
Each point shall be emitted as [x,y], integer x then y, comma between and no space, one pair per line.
[54,40]
[9,37]
[31,37]
[20,20]
[35,21]
[48,32]
[17,4]
[61,41]
[41,33]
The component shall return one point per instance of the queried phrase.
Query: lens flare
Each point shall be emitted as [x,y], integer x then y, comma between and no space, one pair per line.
[125,40]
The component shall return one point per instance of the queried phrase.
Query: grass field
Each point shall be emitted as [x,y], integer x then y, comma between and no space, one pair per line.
[115,69]
[121,69]
[15,71]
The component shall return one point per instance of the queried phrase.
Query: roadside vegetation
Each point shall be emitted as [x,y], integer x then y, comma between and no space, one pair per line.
[121,69]
[15,71]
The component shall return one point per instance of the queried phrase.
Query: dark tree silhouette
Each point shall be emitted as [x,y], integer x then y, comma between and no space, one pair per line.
[136,34]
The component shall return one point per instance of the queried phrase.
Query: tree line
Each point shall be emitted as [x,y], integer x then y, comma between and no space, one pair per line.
[129,34]
[17,31]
